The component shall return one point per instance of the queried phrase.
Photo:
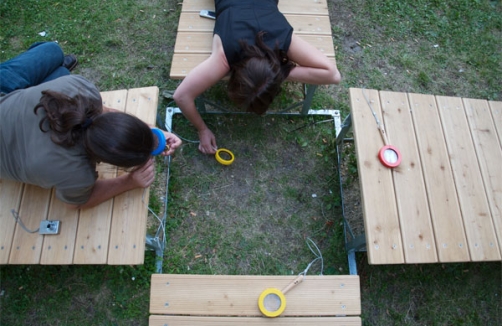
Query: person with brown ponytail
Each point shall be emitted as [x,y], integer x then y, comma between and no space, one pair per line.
[255,44]
[53,134]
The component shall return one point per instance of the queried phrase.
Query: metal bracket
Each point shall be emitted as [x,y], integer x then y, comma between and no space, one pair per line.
[49,227]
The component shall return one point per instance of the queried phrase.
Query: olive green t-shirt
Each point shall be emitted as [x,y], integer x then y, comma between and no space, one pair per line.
[28,155]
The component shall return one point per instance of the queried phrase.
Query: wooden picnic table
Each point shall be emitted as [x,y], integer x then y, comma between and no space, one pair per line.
[111,233]
[310,20]
[443,202]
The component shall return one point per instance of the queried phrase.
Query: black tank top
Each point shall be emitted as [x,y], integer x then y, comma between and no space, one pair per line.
[243,19]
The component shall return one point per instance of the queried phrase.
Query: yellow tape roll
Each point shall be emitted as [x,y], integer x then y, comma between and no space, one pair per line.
[223,161]
[267,311]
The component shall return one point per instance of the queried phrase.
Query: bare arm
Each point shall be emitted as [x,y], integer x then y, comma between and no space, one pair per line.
[109,188]
[313,66]
[206,74]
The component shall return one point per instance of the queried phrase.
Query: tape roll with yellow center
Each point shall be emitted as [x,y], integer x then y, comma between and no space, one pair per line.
[272,302]
[227,153]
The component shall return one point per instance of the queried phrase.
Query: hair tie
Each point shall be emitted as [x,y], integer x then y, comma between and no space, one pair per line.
[87,123]
[162,141]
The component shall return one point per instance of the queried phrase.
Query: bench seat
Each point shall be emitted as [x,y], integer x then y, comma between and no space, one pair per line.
[182,300]
[443,203]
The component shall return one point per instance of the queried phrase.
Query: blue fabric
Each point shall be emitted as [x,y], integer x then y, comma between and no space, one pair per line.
[42,62]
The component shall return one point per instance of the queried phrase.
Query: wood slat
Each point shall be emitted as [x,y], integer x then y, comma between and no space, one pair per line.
[496,109]
[381,221]
[223,295]
[128,229]
[10,198]
[302,24]
[415,221]
[489,154]
[183,63]
[201,42]
[451,243]
[306,7]
[478,224]
[91,246]
[27,247]
[253,321]
[58,249]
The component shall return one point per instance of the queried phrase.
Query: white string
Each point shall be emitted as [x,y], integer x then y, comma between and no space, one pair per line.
[187,140]
[318,255]
[154,214]
[379,125]
[15,215]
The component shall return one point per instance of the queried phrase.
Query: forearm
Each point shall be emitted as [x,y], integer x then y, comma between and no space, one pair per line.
[108,188]
[315,76]
[189,110]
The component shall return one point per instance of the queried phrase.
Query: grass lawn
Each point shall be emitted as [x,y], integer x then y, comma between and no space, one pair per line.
[449,47]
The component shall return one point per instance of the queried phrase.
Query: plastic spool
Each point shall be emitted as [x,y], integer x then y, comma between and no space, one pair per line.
[221,160]
[272,301]
[161,146]
[389,156]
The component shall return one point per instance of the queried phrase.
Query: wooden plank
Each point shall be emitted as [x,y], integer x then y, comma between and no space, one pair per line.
[478,224]
[27,247]
[201,42]
[307,7]
[314,25]
[253,321]
[130,209]
[451,242]
[223,295]
[381,221]
[183,63]
[496,109]
[413,209]
[489,154]
[91,245]
[58,249]
[10,198]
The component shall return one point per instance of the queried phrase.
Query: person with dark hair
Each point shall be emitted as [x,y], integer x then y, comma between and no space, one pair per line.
[54,134]
[255,44]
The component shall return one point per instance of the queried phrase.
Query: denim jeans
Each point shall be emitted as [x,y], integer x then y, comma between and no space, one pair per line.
[42,62]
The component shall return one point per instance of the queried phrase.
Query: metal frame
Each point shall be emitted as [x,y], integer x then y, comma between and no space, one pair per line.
[158,242]
[353,243]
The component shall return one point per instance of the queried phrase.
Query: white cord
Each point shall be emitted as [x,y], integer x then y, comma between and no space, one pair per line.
[15,215]
[318,255]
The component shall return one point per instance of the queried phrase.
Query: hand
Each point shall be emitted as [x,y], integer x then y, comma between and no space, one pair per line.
[143,176]
[172,141]
[207,142]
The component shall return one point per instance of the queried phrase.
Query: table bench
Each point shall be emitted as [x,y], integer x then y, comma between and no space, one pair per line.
[111,233]
[310,20]
[196,300]
[443,202]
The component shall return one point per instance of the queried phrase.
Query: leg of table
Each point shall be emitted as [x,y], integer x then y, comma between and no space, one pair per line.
[309,95]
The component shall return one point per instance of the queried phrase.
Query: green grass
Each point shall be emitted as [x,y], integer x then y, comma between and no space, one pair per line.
[448,47]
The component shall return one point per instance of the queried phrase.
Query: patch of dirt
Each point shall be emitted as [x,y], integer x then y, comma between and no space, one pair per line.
[261,209]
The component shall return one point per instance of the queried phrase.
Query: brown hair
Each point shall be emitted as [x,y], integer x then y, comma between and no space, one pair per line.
[256,79]
[113,137]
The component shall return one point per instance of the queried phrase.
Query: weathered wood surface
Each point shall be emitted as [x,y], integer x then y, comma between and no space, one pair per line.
[443,202]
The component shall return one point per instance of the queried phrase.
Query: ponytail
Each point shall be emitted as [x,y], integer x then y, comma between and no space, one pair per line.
[65,116]
[116,138]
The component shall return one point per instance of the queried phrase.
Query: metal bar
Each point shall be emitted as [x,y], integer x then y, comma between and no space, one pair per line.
[346,126]
[308,98]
